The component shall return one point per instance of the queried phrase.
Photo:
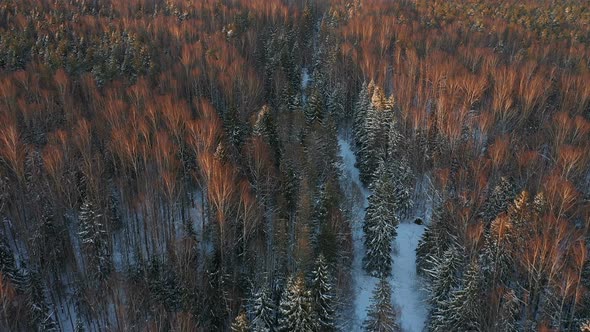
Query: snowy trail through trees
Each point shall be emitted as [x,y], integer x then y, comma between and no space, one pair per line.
[407,294]
[357,194]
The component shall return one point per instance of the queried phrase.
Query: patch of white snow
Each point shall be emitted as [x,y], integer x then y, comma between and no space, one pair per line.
[352,186]
[408,295]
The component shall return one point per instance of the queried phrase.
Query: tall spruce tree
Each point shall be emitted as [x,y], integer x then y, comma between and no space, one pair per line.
[381,316]
[93,238]
[496,255]
[296,308]
[335,103]
[499,200]
[323,296]
[39,311]
[380,226]
[359,114]
[263,311]
[314,110]
[437,238]
[8,267]
[368,155]
[508,315]
[443,275]
[266,127]
[240,323]
[398,169]
[463,310]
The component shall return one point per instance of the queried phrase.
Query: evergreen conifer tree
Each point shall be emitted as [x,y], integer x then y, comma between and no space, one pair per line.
[381,316]
[40,313]
[263,311]
[368,155]
[314,111]
[296,308]
[466,303]
[295,103]
[436,240]
[8,267]
[462,311]
[335,103]
[442,275]
[93,239]
[496,256]
[323,297]
[499,200]
[380,227]
[359,114]
[266,127]
[240,323]
[508,313]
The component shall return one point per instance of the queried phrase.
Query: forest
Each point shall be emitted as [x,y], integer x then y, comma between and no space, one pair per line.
[295,165]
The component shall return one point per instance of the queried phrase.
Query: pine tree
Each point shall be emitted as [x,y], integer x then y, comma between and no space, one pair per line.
[39,312]
[323,297]
[443,280]
[307,25]
[329,148]
[380,227]
[395,141]
[295,103]
[320,215]
[425,246]
[360,112]
[234,127]
[163,285]
[296,309]
[368,152]
[496,256]
[381,316]
[335,103]
[266,127]
[263,312]
[93,239]
[442,275]
[508,313]
[378,99]
[463,310]
[240,323]
[436,240]
[398,169]
[582,316]
[314,111]
[79,325]
[499,200]
[8,267]
[372,133]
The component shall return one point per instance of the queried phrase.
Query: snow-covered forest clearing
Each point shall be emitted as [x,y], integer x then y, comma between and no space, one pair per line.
[407,291]
[294,165]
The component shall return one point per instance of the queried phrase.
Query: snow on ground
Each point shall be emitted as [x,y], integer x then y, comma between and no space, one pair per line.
[304,79]
[407,295]
[363,284]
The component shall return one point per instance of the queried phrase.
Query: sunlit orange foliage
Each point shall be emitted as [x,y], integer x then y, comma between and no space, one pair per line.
[561,195]
[499,151]
[572,160]
[12,150]
[504,87]
[533,86]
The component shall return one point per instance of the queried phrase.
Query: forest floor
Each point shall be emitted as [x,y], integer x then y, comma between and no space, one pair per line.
[408,296]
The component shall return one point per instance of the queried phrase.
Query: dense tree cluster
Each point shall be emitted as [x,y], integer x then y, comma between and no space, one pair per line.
[174,165]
